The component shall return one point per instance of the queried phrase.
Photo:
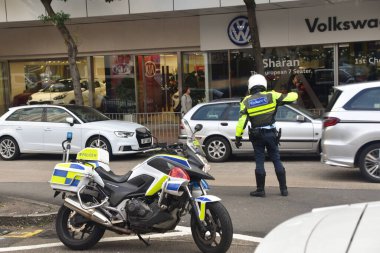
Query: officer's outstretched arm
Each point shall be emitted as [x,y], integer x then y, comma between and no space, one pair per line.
[285,98]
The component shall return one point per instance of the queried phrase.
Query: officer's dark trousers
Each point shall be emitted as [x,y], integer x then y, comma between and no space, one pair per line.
[268,141]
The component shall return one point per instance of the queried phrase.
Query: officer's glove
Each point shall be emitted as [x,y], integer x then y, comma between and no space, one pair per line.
[238,142]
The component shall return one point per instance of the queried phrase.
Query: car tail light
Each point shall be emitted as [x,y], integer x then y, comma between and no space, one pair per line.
[330,121]
[181,126]
[179,173]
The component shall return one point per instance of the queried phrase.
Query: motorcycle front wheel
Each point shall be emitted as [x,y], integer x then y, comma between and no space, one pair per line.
[75,231]
[218,235]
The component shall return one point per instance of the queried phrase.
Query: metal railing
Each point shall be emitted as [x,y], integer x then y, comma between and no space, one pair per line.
[163,125]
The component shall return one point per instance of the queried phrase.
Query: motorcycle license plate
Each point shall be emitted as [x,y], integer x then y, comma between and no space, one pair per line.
[146,140]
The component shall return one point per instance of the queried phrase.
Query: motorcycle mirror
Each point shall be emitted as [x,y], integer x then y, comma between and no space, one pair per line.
[70,120]
[198,127]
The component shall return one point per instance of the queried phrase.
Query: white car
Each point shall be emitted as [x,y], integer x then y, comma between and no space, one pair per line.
[351,132]
[62,92]
[301,130]
[42,128]
[339,229]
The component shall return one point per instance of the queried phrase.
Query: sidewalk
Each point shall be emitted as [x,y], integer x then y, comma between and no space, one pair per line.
[18,212]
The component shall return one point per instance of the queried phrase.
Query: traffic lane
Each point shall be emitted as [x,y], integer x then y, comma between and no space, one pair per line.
[302,171]
[250,216]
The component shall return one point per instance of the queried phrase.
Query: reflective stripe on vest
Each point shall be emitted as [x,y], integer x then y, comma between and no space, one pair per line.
[260,104]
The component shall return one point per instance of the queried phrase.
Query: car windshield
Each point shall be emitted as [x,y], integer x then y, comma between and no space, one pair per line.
[305,111]
[87,114]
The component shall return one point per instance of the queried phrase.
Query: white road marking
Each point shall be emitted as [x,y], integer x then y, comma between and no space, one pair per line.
[181,231]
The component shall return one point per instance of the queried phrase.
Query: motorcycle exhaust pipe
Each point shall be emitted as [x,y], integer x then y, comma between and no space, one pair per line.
[95,216]
[90,214]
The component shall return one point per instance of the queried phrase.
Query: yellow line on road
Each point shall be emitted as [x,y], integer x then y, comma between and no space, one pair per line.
[22,234]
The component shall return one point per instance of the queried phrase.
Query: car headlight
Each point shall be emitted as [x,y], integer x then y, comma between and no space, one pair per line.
[60,97]
[124,134]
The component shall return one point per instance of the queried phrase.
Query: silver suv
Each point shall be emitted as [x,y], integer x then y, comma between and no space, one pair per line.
[351,129]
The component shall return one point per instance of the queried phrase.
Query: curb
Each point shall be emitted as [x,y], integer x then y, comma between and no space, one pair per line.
[27,220]
[37,214]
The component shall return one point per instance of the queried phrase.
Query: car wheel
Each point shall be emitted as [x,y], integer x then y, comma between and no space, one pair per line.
[9,149]
[217,149]
[369,163]
[100,142]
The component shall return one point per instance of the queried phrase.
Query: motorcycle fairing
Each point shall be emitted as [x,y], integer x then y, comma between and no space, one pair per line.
[177,159]
[201,201]
[156,186]
[165,163]
[173,186]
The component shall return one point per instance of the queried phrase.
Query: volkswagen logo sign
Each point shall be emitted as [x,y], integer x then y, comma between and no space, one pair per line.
[238,31]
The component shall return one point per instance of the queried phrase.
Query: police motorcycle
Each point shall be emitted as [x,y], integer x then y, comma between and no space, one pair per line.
[153,197]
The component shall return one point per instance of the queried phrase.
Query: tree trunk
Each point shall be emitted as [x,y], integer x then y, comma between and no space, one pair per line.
[255,40]
[72,51]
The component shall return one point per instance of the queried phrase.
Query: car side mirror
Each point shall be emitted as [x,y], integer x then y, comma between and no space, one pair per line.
[70,120]
[198,127]
[301,118]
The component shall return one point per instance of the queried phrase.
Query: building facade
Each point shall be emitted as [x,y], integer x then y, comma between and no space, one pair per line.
[141,54]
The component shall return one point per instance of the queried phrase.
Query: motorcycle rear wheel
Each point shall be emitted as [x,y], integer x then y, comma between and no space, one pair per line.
[218,237]
[75,231]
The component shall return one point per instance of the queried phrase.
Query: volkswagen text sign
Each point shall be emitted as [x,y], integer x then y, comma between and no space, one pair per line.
[238,31]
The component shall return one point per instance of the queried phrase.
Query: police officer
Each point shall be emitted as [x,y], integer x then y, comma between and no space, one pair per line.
[259,107]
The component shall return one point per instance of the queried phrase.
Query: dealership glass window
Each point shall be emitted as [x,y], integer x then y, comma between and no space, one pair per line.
[359,62]
[2,89]
[119,76]
[28,78]
[193,72]
[241,69]
[219,75]
[311,65]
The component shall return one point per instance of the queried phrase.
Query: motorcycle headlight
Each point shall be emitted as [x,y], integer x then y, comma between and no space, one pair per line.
[60,97]
[124,134]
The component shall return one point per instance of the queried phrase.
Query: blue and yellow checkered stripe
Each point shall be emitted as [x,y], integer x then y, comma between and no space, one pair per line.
[65,177]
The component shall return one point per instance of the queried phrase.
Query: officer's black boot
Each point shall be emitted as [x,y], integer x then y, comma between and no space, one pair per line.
[260,182]
[281,176]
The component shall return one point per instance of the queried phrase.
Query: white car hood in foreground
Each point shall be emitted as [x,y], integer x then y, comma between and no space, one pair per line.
[350,228]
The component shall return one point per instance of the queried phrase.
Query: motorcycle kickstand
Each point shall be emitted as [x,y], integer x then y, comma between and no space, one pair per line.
[144,241]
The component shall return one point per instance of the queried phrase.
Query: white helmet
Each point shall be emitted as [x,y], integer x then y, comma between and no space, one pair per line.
[257,80]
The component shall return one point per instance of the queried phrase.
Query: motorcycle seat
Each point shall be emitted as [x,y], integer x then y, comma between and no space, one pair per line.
[110,176]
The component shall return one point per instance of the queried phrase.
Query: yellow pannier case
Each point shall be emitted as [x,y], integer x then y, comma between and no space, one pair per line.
[70,176]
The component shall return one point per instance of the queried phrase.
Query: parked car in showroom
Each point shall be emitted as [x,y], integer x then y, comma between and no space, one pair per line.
[301,130]
[62,92]
[340,229]
[23,98]
[42,128]
[351,129]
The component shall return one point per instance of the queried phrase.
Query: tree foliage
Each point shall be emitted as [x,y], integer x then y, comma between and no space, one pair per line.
[58,19]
